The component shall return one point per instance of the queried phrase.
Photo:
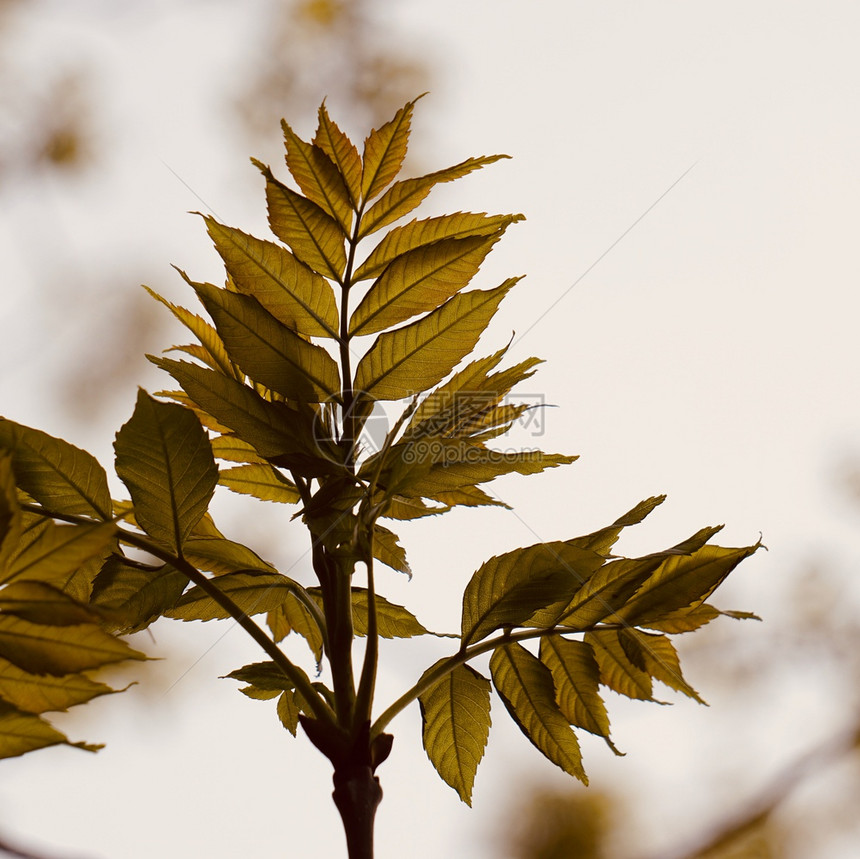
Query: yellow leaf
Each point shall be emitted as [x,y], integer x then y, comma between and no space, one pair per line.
[262,481]
[24,732]
[318,177]
[253,592]
[616,670]
[420,280]
[34,693]
[312,234]
[342,152]
[384,151]
[294,294]
[412,359]
[455,716]
[402,197]
[526,688]
[416,234]
[267,350]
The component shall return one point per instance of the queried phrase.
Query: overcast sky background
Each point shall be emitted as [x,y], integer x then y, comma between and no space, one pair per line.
[711,354]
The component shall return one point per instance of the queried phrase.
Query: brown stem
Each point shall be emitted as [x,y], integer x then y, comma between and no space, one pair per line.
[357,795]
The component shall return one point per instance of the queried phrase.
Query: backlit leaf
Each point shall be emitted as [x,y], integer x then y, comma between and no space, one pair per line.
[576,677]
[526,688]
[603,540]
[389,551]
[58,475]
[267,350]
[418,281]
[413,358]
[24,732]
[164,458]
[342,153]
[131,597]
[42,649]
[294,294]
[685,619]
[455,716]
[683,581]
[656,655]
[402,197]
[216,554]
[34,693]
[508,589]
[384,151]
[393,621]
[293,616]
[288,712]
[39,602]
[254,593]
[311,234]
[416,234]
[261,481]
[232,449]
[318,177]
[616,670]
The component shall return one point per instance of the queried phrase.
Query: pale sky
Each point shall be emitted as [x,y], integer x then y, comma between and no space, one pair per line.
[711,354]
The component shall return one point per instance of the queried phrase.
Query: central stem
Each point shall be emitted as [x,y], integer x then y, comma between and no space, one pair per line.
[357,795]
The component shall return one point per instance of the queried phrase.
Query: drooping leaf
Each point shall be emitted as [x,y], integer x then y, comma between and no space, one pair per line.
[418,281]
[384,151]
[267,350]
[275,430]
[264,675]
[318,177]
[656,655]
[393,621]
[43,649]
[413,358]
[254,592]
[25,732]
[526,688]
[130,596]
[389,551]
[311,234]
[508,589]
[342,153]
[402,197]
[576,677]
[288,711]
[455,717]
[216,554]
[683,581]
[294,294]
[260,480]
[61,477]
[416,234]
[616,670]
[35,693]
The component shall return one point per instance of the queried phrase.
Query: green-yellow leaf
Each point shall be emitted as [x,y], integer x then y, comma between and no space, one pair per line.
[455,716]
[24,732]
[216,554]
[310,233]
[342,153]
[288,712]
[603,540]
[58,475]
[656,655]
[384,151]
[293,616]
[402,197]
[616,670]
[683,581]
[164,457]
[411,359]
[389,551]
[508,589]
[318,177]
[416,234]
[40,602]
[526,688]
[420,280]
[54,553]
[131,597]
[253,592]
[267,350]
[261,481]
[232,449]
[42,649]
[576,677]
[294,294]
[33,693]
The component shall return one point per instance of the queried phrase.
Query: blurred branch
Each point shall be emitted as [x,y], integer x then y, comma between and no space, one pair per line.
[760,809]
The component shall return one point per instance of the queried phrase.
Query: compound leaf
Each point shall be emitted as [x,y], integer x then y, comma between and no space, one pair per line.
[342,153]
[384,151]
[253,592]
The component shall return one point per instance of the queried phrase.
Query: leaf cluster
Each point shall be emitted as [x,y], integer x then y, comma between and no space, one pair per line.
[347,305]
